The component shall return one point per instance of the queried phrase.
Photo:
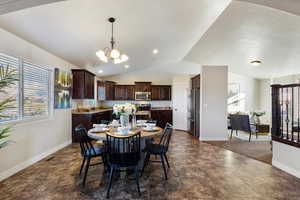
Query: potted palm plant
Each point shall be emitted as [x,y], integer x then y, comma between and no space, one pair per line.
[8,77]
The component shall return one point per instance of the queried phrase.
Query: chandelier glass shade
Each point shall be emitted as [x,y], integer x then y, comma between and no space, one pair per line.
[112,53]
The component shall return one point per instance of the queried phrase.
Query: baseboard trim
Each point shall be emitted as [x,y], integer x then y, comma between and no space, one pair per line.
[182,130]
[285,168]
[31,161]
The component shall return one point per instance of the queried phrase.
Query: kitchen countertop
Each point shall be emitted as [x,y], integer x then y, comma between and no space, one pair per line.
[161,108]
[91,112]
[143,112]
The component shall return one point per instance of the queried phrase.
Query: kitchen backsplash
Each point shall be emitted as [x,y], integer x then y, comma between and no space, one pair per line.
[153,103]
[84,103]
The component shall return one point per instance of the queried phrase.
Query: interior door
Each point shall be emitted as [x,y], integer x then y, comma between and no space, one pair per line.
[192,119]
[197,113]
[180,105]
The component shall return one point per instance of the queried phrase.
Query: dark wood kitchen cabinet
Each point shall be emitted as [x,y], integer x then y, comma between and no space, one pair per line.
[161,92]
[162,116]
[106,90]
[83,84]
[124,92]
[110,90]
[165,93]
[130,89]
[143,86]
[120,92]
[87,120]
[155,92]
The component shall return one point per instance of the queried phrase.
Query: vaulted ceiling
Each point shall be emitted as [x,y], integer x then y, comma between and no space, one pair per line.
[246,32]
[222,32]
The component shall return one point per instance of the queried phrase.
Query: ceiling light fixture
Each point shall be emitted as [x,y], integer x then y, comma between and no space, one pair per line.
[100,71]
[155,51]
[127,66]
[112,53]
[255,62]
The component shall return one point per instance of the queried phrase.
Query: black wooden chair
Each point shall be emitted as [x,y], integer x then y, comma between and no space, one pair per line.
[159,149]
[123,153]
[88,151]
[105,122]
[242,123]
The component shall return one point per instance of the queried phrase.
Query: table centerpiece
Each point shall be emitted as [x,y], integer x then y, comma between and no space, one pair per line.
[124,111]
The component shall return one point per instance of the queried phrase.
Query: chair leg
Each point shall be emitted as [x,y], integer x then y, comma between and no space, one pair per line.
[146,161]
[250,136]
[164,167]
[256,135]
[231,134]
[105,164]
[86,170]
[165,155]
[110,181]
[82,165]
[236,132]
[137,179]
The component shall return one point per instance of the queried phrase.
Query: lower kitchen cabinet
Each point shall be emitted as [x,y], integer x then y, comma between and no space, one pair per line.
[162,116]
[87,120]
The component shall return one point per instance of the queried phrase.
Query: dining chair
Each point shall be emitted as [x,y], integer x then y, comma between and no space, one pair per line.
[105,122]
[88,151]
[159,149]
[242,123]
[123,153]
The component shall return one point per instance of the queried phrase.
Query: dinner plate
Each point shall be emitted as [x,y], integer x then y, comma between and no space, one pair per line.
[94,130]
[151,129]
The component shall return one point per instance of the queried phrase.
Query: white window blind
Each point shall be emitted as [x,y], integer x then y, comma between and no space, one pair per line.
[31,92]
[36,98]
[11,113]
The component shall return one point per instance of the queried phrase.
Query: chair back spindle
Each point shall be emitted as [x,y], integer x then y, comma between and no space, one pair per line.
[166,137]
[84,141]
[123,151]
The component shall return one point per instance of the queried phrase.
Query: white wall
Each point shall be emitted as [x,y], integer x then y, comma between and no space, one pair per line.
[265,100]
[36,139]
[286,158]
[157,77]
[248,86]
[180,98]
[213,103]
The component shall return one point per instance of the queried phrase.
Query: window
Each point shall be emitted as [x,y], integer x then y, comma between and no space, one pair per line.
[31,92]
[12,113]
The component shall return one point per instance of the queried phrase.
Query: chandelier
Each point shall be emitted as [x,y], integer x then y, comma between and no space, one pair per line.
[112,53]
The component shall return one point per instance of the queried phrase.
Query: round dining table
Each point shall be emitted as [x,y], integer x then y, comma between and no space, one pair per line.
[113,131]
[101,136]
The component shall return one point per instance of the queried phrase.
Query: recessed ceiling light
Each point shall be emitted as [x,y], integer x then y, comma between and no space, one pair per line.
[100,71]
[155,51]
[127,66]
[255,62]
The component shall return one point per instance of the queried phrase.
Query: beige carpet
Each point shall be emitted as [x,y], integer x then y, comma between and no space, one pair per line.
[259,150]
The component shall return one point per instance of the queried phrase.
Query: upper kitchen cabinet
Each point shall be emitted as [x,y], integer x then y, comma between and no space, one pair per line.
[155,92]
[124,92]
[106,90]
[161,92]
[83,84]
[142,86]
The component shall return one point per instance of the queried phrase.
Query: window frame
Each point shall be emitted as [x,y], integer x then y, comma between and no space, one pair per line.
[20,97]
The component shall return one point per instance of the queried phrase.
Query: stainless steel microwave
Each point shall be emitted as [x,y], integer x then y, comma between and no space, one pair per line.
[142,96]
